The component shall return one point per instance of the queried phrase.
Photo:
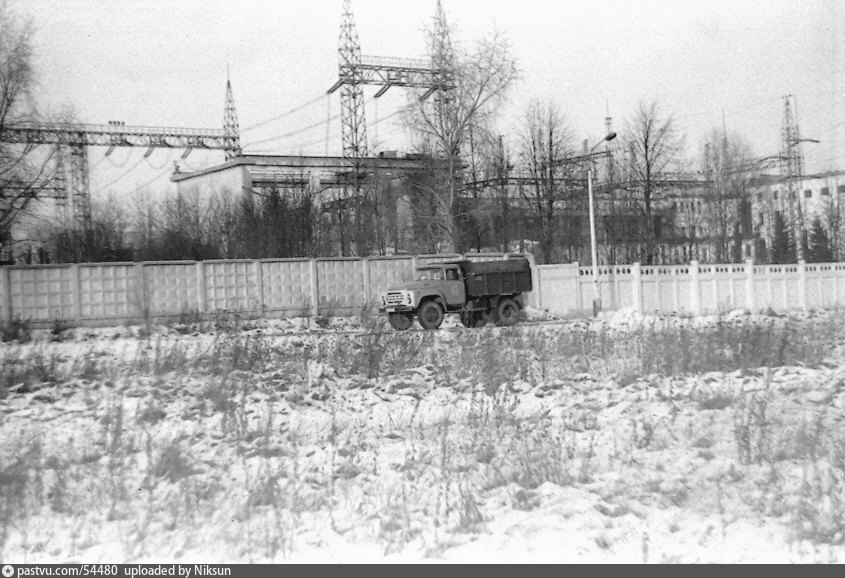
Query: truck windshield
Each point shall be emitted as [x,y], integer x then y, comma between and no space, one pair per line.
[430,274]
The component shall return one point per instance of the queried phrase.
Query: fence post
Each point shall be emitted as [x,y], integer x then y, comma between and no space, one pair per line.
[77,294]
[365,264]
[749,285]
[637,287]
[141,297]
[259,285]
[535,300]
[802,284]
[696,287]
[577,286]
[6,295]
[315,290]
[200,273]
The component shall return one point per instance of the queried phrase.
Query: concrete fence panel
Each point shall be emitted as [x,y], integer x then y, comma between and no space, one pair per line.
[776,286]
[340,285]
[45,293]
[825,285]
[667,289]
[231,286]
[558,289]
[286,286]
[5,296]
[722,287]
[820,285]
[110,291]
[838,288]
[615,287]
[174,287]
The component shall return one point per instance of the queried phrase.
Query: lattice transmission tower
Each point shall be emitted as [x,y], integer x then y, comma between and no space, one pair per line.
[230,123]
[443,64]
[791,169]
[351,80]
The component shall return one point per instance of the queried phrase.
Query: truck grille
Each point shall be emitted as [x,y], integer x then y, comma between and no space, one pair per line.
[394,298]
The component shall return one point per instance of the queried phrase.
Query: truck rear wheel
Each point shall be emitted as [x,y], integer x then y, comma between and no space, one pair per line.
[507,312]
[484,317]
[400,321]
[474,318]
[430,315]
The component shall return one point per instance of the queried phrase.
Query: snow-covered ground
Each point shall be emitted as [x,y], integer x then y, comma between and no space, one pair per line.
[626,438]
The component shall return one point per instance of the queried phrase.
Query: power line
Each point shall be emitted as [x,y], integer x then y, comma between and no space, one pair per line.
[129,170]
[327,139]
[114,164]
[286,113]
[149,182]
[166,162]
[294,132]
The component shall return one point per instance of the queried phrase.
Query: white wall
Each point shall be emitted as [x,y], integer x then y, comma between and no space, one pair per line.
[113,293]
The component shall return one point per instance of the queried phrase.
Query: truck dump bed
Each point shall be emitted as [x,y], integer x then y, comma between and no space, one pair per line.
[507,277]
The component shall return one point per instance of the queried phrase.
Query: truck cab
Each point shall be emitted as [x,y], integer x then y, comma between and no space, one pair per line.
[447,281]
[477,292]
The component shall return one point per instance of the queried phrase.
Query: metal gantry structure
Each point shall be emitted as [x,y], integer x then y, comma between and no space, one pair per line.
[71,179]
[356,70]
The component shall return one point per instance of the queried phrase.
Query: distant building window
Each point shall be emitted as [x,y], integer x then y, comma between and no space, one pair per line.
[808,193]
[825,191]
[840,190]
[775,195]
[759,197]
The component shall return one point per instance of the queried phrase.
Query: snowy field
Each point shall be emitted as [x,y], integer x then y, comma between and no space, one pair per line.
[618,439]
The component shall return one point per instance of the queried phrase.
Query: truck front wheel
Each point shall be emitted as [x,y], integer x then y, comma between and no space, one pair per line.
[430,315]
[400,321]
[507,312]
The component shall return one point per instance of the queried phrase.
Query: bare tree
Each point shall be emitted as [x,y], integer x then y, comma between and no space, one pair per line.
[546,141]
[144,226]
[22,173]
[480,80]
[485,207]
[654,148]
[831,215]
[728,165]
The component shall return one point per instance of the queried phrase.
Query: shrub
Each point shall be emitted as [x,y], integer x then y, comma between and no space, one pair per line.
[17,329]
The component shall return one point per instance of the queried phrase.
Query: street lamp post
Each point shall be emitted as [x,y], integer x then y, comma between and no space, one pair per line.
[593,248]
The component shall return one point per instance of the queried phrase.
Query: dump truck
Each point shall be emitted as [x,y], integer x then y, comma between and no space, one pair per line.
[478,292]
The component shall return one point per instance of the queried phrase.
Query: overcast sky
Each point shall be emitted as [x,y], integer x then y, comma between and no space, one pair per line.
[163,63]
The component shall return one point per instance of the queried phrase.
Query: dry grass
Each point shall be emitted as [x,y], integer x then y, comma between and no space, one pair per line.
[190,428]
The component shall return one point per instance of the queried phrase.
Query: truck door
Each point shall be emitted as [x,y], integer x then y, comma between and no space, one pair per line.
[455,292]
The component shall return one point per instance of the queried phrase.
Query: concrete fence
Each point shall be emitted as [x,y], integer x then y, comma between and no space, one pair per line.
[115,293]
[692,289]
